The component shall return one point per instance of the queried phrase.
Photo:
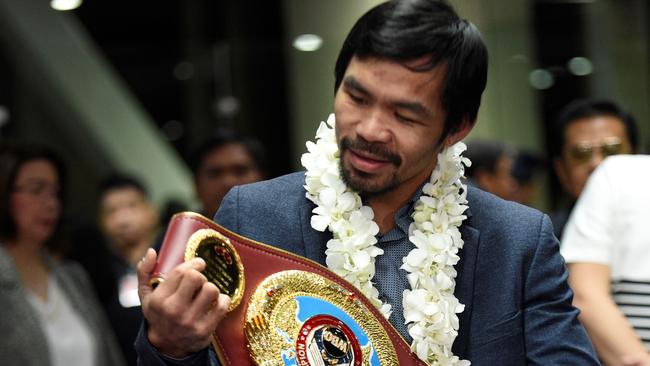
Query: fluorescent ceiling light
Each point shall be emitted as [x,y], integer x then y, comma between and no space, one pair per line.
[580,66]
[307,42]
[65,4]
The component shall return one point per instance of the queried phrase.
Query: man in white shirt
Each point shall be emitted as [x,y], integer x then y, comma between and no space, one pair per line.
[607,246]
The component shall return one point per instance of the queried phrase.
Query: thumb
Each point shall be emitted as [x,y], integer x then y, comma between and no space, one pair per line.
[145,267]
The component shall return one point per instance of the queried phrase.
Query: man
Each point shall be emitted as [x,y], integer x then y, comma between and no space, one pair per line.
[526,167]
[222,162]
[129,223]
[409,80]
[126,216]
[606,246]
[587,131]
[492,167]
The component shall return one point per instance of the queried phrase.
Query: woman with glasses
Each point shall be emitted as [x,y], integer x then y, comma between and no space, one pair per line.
[48,313]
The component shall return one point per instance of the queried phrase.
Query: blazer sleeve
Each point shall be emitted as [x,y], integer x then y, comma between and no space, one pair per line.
[148,355]
[553,334]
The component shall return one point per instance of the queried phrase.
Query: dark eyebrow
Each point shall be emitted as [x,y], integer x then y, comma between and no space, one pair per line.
[414,107]
[351,83]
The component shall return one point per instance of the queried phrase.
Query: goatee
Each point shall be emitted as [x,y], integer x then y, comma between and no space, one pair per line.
[363,182]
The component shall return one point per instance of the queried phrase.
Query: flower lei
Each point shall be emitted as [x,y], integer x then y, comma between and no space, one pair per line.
[430,306]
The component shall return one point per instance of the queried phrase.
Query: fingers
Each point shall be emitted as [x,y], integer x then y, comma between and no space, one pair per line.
[211,306]
[218,311]
[187,271]
[191,284]
[184,311]
[145,267]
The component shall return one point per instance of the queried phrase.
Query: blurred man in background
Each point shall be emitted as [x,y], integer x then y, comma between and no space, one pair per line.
[491,168]
[222,162]
[129,223]
[588,130]
[528,166]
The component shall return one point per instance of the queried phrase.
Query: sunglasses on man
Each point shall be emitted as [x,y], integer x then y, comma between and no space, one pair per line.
[583,151]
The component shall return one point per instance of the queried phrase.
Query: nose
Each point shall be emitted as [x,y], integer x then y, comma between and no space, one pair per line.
[374,127]
[51,202]
[230,180]
[597,157]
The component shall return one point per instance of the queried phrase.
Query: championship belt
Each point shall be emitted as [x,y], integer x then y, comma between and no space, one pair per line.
[285,309]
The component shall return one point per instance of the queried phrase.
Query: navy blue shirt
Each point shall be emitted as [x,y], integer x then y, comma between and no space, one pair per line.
[389,279]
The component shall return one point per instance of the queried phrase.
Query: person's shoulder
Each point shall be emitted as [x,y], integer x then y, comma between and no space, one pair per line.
[287,182]
[270,211]
[283,187]
[284,192]
[70,268]
[483,203]
[491,213]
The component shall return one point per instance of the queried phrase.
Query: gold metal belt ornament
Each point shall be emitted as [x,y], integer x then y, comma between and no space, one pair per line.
[285,309]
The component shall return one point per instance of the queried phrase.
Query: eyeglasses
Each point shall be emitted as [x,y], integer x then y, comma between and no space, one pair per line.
[39,189]
[582,152]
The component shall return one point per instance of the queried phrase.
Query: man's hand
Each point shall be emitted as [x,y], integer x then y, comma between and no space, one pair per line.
[184,310]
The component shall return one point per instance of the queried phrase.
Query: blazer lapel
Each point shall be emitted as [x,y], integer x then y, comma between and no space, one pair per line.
[315,242]
[465,283]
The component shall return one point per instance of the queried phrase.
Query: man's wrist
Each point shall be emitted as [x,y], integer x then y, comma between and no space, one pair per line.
[149,355]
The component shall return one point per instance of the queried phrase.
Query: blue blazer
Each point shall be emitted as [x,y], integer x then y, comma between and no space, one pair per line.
[511,276]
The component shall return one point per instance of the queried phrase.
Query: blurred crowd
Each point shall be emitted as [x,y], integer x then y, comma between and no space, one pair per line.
[69,290]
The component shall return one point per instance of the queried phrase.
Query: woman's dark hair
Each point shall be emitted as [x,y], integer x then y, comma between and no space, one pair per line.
[12,158]
[403,30]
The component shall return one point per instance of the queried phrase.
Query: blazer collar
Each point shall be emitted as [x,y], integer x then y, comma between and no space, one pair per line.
[315,242]
[465,283]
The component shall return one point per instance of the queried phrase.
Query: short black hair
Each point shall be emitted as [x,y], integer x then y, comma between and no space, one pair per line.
[484,155]
[222,137]
[408,29]
[12,157]
[120,181]
[591,107]
[527,164]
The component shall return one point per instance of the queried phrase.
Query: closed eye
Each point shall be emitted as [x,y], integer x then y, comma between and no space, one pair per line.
[404,119]
[357,99]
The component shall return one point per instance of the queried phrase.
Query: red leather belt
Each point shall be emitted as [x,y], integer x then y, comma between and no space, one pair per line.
[260,261]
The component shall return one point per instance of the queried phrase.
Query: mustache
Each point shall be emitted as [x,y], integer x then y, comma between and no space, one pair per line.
[375,149]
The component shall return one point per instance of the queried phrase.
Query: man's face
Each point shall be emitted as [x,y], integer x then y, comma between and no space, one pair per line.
[389,121]
[587,142]
[126,217]
[223,168]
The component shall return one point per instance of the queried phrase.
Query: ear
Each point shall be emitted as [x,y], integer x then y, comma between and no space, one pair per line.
[462,131]
[560,172]
[484,180]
